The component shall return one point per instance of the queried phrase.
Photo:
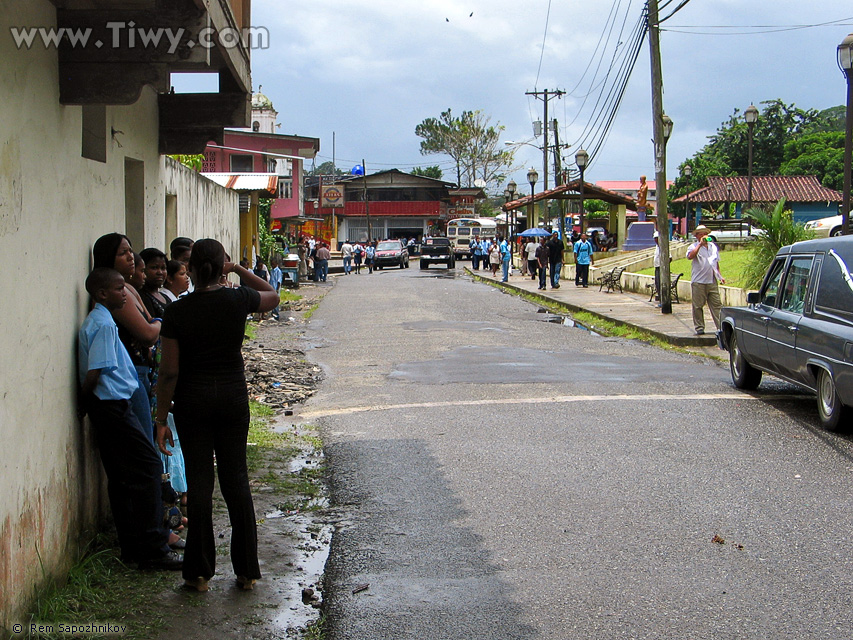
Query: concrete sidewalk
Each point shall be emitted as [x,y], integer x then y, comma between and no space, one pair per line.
[629,309]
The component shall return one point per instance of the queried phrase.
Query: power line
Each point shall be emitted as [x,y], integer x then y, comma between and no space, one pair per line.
[544,37]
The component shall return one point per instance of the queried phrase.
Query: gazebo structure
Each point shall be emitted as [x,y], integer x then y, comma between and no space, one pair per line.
[619,204]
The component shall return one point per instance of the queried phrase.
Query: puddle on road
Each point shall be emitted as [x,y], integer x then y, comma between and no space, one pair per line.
[566,321]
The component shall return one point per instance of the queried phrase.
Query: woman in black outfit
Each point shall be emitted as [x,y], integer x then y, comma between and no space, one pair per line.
[201,368]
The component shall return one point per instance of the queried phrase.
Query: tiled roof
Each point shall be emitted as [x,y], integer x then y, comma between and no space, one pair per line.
[571,191]
[764,189]
[627,185]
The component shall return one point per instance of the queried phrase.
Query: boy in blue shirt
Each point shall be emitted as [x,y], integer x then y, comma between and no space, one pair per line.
[275,281]
[108,380]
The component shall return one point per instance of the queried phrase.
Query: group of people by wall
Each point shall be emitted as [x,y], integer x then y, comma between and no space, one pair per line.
[162,380]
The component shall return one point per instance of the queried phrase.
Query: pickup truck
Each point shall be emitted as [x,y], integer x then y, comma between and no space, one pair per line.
[437,250]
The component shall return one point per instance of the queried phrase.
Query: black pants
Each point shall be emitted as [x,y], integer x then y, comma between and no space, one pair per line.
[212,417]
[134,473]
[581,274]
[543,277]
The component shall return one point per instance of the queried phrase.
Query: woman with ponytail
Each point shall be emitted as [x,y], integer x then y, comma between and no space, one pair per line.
[201,369]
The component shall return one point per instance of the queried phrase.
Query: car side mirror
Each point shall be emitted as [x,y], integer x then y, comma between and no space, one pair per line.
[753,297]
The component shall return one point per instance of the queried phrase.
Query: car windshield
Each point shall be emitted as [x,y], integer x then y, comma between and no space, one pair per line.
[388,246]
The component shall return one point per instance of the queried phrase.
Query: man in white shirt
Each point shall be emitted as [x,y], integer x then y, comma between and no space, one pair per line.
[346,254]
[532,265]
[704,276]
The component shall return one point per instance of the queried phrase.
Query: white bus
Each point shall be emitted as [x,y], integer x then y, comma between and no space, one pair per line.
[461,230]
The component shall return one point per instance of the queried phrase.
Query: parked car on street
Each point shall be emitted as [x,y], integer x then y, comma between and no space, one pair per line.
[437,251]
[825,227]
[391,253]
[723,231]
[799,326]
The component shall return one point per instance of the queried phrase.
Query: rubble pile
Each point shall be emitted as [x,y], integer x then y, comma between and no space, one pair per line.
[278,377]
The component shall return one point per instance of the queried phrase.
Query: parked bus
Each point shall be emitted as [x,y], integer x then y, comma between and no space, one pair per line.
[461,230]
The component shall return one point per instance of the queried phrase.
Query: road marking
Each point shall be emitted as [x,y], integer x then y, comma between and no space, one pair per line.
[327,413]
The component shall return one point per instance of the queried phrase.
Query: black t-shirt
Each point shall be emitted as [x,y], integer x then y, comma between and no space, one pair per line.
[209,327]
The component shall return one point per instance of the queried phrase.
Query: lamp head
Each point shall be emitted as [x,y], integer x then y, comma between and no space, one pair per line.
[751,114]
[687,171]
[845,54]
[667,126]
[532,176]
[581,158]
[511,187]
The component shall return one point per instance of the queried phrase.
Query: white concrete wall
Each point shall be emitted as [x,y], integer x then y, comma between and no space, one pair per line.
[54,204]
[205,209]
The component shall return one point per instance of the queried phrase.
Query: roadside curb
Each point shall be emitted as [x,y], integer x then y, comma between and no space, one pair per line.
[676,341]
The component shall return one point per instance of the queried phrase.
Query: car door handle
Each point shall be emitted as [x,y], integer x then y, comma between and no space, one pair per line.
[793,328]
[765,319]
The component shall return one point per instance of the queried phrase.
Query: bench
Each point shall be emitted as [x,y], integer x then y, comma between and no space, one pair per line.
[673,288]
[612,279]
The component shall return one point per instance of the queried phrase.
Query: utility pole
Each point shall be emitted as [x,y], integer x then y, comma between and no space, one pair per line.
[557,172]
[653,25]
[366,201]
[545,96]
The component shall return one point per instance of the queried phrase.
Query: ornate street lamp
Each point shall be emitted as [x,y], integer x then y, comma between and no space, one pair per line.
[510,189]
[687,171]
[663,216]
[751,116]
[845,62]
[532,177]
[729,189]
[581,159]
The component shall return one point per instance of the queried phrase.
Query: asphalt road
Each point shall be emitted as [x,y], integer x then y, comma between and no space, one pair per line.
[500,476]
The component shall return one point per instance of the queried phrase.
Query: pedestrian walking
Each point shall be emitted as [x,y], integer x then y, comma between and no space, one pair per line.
[530,249]
[494,258]
[542,263]
[704,278]
[346,254]
[583,259]
[370,256]
[321,261]
[555,258]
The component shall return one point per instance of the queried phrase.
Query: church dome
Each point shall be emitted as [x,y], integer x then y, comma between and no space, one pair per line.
[260,101]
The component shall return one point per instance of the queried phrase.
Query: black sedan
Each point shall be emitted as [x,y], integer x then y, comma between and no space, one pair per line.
[799,326]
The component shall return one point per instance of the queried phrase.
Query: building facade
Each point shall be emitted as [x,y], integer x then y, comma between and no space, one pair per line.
[84,136]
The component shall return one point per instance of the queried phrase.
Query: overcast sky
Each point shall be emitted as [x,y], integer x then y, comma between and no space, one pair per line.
[371,70]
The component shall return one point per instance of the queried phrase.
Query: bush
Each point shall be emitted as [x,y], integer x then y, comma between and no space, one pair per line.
[779,230]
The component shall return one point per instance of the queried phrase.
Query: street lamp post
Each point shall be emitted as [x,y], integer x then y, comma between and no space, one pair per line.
[687,171]
[581,159]
[751,115]
[510,189]
[532,177]
[665,131]
[729,189]
[845,61]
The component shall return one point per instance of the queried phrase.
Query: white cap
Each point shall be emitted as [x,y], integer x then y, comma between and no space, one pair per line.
[656,235]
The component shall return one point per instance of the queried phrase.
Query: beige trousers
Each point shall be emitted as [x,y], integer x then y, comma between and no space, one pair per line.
[703,294]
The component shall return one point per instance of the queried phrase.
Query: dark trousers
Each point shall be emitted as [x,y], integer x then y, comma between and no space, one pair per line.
[475,261]
[657,282]
[581,274]
[543,277]
[134,473]
[213,418]
[532,266]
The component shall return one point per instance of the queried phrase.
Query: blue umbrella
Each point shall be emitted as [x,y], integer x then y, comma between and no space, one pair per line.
[534,233]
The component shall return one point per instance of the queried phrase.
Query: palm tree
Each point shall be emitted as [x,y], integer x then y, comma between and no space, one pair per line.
[778,230]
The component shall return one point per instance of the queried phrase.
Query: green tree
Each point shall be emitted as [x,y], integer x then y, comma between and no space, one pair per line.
[194,162]
[471,142]
[779,230]
[428,172]
[328,168]
[820,154]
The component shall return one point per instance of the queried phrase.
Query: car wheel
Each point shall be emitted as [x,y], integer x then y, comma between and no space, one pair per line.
[424,264]
[835,232]
[832,413]
[744,375]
